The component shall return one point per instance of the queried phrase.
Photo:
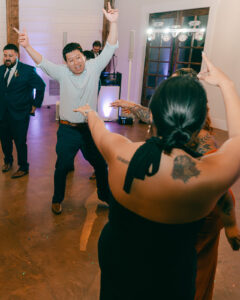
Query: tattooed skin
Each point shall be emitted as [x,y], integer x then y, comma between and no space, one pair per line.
[203,148]
[141,113]
[184,168]
[123,160]
[206,144]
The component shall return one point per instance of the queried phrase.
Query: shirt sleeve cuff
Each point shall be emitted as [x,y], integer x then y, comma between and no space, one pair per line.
[41,63]
[113,46]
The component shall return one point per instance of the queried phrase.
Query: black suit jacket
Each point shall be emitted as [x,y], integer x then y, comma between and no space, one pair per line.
[18,97]
[98,52]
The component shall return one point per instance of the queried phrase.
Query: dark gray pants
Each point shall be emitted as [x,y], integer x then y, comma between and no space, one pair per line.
[14,130]
[69,141]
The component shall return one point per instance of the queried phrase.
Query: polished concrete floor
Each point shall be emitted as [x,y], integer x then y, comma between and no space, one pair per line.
[43,256]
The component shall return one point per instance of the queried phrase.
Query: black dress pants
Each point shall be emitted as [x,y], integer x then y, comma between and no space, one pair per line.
[69,141]
[14,130]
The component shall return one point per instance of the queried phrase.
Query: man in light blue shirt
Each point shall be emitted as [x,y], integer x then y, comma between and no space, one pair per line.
[78,80]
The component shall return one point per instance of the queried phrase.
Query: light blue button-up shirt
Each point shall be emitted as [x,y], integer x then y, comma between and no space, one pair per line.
[78,90]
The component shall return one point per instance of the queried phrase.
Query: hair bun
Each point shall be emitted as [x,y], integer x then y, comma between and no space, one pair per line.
[178,137]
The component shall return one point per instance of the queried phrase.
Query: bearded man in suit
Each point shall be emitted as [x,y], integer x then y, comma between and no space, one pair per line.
[19,83]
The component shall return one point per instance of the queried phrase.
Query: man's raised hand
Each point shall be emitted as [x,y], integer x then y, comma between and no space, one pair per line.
[111,14]
[22,37]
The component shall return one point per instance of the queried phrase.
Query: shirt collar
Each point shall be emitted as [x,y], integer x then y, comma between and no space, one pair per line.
[14,68]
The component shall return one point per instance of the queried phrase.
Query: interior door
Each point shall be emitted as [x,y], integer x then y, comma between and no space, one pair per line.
[164,57]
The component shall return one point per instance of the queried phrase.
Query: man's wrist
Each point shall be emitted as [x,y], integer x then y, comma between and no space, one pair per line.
[88,111]
[28,47]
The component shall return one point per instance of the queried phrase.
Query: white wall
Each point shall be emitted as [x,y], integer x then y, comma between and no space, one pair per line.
[3,30]
[222,42]
[224,52]
[46,20]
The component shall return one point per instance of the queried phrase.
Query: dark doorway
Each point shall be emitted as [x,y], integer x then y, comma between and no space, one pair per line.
[163,57]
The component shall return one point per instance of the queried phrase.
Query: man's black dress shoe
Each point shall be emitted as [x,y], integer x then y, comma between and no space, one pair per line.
[56,208]
[93,176]
[6,167]
[19,173]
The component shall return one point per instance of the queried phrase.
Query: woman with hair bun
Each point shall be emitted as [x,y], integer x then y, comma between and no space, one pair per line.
[222,216]
[162,190]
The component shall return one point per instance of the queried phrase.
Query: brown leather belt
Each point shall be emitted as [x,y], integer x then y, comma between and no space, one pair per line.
[78,125]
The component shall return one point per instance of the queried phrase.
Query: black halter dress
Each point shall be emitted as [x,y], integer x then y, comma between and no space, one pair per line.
[141,259]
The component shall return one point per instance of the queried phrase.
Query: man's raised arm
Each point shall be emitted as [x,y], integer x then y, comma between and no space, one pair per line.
[112,16]
[24,42]
[51,69]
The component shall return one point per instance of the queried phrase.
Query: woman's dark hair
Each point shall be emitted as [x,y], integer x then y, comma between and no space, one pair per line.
[11,47]
[185,71]
[192,73]
[69,48]
[179,107]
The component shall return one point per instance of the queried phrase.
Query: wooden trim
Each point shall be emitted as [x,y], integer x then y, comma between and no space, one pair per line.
[179,14]
[157,75]
[12,16]
[193,47]
[157,47]
[159,61]
[187,63]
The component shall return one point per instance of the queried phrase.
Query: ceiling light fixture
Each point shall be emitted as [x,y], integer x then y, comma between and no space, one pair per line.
[176,31]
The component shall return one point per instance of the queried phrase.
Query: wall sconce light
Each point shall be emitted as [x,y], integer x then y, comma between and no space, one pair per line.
[166,37]
[199,36]
[151,34]
[182,37]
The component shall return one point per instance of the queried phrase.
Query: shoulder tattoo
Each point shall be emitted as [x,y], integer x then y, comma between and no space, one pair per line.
[184,168]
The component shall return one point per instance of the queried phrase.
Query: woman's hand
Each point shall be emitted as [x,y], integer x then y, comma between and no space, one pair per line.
[123,104]
[233,236]
[84,110]
[213,75]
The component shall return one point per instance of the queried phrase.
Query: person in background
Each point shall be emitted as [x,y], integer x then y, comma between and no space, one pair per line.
[78,80]
[18,81]
[96,48]
[88,54]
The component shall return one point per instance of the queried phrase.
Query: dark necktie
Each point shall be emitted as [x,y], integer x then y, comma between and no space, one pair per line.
[6,77]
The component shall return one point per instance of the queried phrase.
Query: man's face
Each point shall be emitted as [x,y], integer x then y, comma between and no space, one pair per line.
[9,58]
[75,62]
[96,49]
